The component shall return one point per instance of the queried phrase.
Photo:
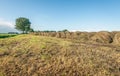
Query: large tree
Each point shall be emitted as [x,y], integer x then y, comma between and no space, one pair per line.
[23,24]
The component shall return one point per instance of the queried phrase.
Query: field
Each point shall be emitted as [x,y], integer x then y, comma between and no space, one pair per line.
[34,55]
[7,35]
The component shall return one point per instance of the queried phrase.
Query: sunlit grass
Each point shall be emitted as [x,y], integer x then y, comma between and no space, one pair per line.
[26,55]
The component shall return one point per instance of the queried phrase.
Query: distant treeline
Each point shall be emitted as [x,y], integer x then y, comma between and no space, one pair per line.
[65,30]
[100,37]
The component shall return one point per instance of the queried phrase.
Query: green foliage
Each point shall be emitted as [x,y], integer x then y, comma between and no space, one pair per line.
[65,30]
[31,30]
[48,31]
[23,24]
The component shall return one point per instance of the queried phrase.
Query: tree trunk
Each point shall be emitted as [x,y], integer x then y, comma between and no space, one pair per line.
[23,32]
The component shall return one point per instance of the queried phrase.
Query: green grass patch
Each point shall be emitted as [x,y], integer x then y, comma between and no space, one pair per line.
[7,35]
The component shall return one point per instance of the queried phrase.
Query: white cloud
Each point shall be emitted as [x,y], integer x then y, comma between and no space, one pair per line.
[6,23]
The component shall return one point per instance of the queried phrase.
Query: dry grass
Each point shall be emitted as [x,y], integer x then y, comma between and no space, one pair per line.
[28,55]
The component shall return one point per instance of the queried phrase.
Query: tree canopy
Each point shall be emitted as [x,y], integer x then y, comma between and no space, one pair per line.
[23,24]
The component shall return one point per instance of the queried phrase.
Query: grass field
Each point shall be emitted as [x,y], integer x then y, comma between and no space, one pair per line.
[29,55]
[7,35]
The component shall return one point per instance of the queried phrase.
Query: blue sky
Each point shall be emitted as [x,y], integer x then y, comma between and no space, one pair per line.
[82,15]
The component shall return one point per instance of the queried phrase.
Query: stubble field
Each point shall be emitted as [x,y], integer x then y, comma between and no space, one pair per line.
[31,55]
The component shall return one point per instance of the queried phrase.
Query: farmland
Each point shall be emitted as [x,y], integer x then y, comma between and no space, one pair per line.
[7,35]
[43,55]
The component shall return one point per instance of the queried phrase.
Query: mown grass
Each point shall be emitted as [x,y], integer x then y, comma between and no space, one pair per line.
[28,55]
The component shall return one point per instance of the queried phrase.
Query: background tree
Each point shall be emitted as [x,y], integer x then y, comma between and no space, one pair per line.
[23,24]
[65,30]
[31,30]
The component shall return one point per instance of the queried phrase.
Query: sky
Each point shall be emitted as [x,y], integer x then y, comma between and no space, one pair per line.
[74,15]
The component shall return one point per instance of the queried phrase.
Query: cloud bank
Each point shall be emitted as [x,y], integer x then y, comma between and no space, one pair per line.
[6,26]
[6,23]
